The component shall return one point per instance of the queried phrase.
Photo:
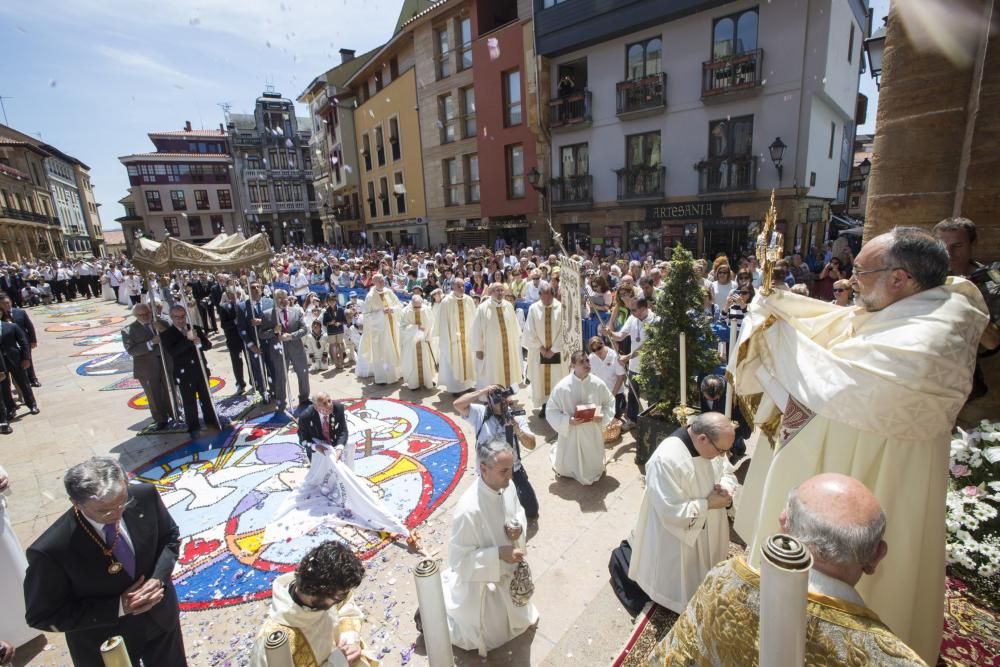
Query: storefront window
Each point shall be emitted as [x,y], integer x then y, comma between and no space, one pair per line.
[645,237]
[577,235]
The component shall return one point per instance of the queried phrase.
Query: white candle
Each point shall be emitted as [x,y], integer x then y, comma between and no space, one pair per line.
[731,365]
[684,375]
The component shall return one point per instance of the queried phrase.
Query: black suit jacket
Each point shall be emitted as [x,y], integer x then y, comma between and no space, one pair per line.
[14,345]
[311,427]
[184,353]
[21,319]
[67,587]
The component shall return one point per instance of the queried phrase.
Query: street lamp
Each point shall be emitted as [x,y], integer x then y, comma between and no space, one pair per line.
[777,150]
[875,47]
[865,168]
[535,179]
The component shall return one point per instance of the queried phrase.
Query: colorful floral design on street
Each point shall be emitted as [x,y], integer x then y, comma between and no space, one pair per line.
[108,364]
[83,325]
[223,489]
[139,401]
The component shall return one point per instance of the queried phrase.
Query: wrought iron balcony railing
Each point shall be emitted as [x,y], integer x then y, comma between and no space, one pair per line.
[641,182]
[646,94]
[727,174]
[571,110]
[732,73]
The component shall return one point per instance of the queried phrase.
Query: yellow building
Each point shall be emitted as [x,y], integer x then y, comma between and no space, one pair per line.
[28,228]
[387,130]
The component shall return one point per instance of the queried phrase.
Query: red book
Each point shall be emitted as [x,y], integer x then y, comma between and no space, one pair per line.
[587,412]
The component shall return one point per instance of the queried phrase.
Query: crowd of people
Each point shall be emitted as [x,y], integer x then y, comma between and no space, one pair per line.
[479,324]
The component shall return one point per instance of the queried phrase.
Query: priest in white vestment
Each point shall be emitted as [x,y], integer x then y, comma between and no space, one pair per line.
[13,565]
[417,355]
[453,328]
[482,558]
[496,339]
[682,530]
[871,392]
[579,449]
[380,340]
[314,607]
[544,330]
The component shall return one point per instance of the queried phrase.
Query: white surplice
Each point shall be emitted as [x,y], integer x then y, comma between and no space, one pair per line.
[677,539]
[544,327]
[481,613]
[453,328]
[496,333]
[579,450]
[13,564]
[872,395]
[416,350]
[380,340]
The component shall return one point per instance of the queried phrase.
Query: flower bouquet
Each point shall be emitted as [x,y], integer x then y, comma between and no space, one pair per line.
[973,507]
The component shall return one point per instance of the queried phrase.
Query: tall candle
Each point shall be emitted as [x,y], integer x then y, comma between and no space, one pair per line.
[684,375]
[731,364]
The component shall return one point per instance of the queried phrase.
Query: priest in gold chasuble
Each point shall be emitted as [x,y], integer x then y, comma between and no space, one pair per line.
[417,357]
[544,330]
[496,339]
[453,328]
[381,338]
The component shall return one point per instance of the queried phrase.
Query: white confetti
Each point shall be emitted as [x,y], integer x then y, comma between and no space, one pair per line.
[493,44]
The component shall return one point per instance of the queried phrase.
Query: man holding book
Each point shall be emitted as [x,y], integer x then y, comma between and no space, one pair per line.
[579,408]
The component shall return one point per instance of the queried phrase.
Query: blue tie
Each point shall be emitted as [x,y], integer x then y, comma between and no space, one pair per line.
[121,551]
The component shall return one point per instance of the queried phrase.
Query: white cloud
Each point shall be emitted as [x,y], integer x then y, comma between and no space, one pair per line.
[144,65]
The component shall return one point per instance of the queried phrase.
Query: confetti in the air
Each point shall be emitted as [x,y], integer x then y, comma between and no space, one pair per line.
[493,44]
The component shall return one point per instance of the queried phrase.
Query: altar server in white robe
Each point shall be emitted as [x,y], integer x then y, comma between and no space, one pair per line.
[543,338]
[453,327]
[579,450]
[482,558]
[380,340]
[418,357]
[496,338]
[682,530]
[13,564]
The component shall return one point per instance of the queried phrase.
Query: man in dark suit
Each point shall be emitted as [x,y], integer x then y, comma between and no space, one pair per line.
[229,311]
[16,352]
[250,322]
[201,291]
[19,316]
[323,423]
[216,290]
[184,344]
[103,569]
[142,342]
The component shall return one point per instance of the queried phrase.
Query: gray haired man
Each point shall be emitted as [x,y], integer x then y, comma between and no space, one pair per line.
[103,569]
[284,325]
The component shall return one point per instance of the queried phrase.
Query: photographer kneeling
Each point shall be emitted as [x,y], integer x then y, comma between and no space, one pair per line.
[496,420]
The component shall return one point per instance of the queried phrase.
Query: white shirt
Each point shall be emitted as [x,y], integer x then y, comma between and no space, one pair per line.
[636,329]
[608,369]
[531,292]
[492,429]
[720,292]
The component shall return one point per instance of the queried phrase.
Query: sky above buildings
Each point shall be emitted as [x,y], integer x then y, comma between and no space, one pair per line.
[93,77]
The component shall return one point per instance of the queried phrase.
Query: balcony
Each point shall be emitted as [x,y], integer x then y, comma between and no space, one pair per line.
[732,74]
[569,192]
[255,173]
[261,207]
[310,175]
[284,173]
[647,95]
[241,139]
[290,206]
[637,183]
[570,111]
[727,174]
[17,214]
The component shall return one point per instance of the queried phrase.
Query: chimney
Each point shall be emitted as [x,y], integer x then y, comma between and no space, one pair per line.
[187,126]
[345,55]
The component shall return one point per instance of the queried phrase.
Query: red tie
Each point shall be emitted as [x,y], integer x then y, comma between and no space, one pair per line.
[285,314]
[325,421]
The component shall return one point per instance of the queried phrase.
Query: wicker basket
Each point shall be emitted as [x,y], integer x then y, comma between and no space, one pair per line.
[613,431]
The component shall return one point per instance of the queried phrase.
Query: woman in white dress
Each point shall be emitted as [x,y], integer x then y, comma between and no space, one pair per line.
[12,567]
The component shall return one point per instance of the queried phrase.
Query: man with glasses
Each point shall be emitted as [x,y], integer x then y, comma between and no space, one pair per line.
[682,520]
[313,612]
[872,393]
[103,569]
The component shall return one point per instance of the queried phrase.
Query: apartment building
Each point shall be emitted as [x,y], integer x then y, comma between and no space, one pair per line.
[28,226]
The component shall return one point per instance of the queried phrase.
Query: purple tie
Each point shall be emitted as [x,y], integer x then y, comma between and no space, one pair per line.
[122,552]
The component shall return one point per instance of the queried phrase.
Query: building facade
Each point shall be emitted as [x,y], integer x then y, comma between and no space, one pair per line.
[683,105]
[186,188]
[28,226]
[60,170]
[334,149]
[89,206]
[274,169]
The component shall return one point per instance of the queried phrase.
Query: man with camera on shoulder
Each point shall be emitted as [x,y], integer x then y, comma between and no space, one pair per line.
[491,416]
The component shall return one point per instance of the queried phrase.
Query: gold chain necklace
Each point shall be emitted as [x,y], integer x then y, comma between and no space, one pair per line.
[115,567]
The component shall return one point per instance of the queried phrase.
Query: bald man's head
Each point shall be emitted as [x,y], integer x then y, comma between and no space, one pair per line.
[840,521]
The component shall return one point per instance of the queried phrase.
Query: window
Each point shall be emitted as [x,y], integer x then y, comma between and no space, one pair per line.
[253,193]
[730,138]
[855,201]
[644,59]
[734,34]
[372,210]
[397,150]
[253,162]
[153,202]
[850,44]
[265,193]
[446,118]
[272,159]
[575,160]
[443,53]
[642,150]
[379,146]
[399,190]
[366,151]
[279,192]
[464,30]
[512,98]
[133,170]
[201,199]
[171,227]
[452,183]
[472,177]
[218,225]
[194,225]
[551,3]
[515,171]
[394,68]
[378,81]
[833,135]
[293,160]
[383,194]
[469,112]
[225,198]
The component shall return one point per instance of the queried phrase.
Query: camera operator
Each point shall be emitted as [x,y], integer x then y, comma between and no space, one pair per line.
[496,420]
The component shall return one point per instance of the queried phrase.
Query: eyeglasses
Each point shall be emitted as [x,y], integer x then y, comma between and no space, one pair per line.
[107,514]
[839,289]
[861,272]
[744,293]
[716,447]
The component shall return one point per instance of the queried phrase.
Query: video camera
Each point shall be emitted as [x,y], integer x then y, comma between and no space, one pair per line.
[498,397]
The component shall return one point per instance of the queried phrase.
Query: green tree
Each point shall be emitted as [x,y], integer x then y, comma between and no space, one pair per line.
[678,307]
